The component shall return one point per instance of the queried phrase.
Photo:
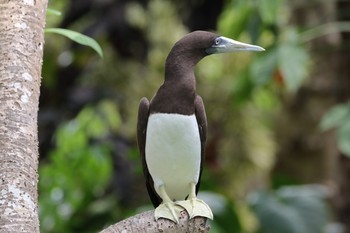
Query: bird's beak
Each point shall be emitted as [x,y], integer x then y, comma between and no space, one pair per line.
[227,45]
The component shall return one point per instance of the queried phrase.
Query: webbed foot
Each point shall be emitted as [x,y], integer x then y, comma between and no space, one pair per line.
[196,207]
[168,210]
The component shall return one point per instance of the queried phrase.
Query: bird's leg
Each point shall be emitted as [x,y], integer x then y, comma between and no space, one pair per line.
[194,206]
[167,209]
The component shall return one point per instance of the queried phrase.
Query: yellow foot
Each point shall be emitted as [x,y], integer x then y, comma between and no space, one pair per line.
[168,210]
[196,207]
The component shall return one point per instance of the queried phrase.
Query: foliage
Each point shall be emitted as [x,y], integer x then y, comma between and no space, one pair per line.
[74,36]
[338,118]
[53,12]
[226,216]
[284,55]
[242,97]
[72,184]
[291,209]
[289,59]
[77,37]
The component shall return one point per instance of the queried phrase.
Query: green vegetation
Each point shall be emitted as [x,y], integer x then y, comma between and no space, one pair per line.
[90,172]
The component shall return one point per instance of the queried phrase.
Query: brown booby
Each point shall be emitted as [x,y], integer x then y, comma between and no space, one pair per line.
[172,128]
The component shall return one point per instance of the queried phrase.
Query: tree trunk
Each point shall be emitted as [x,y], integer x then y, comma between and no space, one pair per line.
[21,49]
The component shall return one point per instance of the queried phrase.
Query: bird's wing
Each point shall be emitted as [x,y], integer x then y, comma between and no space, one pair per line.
[142,121]
[202,126]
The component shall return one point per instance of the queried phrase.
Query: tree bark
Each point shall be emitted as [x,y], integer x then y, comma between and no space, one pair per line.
[21,49]
[145,222]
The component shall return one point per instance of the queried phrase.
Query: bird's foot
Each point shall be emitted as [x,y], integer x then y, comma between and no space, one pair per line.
[196,207]
[168,210]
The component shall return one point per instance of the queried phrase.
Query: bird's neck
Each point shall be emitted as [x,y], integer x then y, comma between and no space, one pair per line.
[179,68]
[179,76]
[178,93]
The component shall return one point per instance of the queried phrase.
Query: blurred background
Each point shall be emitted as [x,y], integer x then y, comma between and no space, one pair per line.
[278,150]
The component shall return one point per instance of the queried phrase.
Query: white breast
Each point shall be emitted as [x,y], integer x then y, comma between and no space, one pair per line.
[173,152]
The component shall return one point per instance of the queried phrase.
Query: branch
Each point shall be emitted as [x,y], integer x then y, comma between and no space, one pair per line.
[145,222]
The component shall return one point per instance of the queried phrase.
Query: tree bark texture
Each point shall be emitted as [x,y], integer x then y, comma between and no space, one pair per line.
[21,49]
[145,223]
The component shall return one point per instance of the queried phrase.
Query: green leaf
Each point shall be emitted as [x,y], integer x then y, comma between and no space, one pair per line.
[242,89]
[78,172]
[262,68]
[268,10]
[293,63]
[234,19]
[291,209]
[336,116]
[343,138]
[53,12]
[254,27]
[310,190]
[92,123]
[77,37]
[71,130]
[276,216]
[110,114]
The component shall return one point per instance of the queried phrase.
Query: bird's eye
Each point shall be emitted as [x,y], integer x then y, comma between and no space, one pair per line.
[217,41]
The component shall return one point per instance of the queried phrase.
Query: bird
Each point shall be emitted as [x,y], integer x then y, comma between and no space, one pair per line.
[172,128]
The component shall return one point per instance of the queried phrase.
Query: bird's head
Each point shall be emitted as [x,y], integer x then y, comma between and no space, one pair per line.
[212,43]
[191,48]
[202,43]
